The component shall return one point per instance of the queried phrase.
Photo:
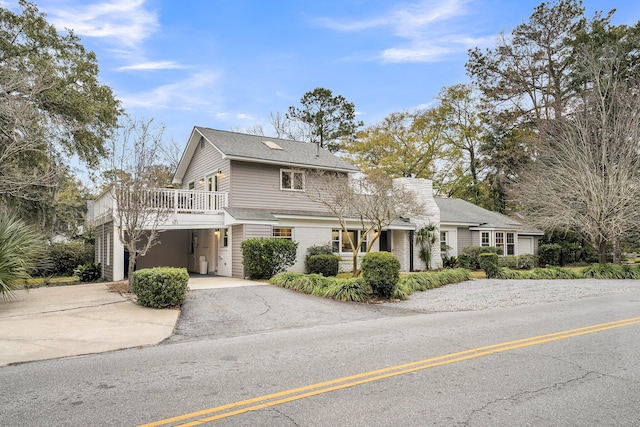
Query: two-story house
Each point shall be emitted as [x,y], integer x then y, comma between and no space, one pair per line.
[231,186]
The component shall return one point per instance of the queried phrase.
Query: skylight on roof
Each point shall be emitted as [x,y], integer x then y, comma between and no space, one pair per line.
[272,145]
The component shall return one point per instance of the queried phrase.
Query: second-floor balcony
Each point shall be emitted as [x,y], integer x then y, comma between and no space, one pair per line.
[180,208]
[179,201]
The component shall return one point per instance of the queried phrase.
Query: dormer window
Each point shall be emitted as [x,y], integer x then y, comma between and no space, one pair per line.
[291,180]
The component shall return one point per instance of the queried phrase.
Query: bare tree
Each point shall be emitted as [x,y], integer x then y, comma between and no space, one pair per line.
[134,168]
[374,202]
[587,175]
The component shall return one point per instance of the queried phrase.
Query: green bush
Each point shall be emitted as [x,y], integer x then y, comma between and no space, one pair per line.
[381,271]
[612,271]
[324,264]
[161,287]
[536,274]
[522,262]
[88,272]
[316,250]
[430,280]
[264,257]
[489,263]
[550,254]
[20,252]
[449,261]
[352,289]
[469,257]
[61,259]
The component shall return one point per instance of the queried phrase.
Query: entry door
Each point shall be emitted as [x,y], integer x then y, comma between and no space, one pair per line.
[385,241]
[212,186]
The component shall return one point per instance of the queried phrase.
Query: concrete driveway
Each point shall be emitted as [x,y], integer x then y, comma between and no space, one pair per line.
[50,322]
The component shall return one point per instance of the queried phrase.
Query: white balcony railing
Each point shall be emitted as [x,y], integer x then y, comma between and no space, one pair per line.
[180,201]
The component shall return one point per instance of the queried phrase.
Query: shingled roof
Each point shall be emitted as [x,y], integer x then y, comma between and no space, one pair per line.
[458,211]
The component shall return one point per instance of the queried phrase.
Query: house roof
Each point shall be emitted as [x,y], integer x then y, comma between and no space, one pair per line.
[461,212]
[262,149]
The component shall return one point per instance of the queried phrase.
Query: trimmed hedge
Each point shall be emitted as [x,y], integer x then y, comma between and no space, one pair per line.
[489,263]
[519,262]
[161,287]
[316,250]
[264,257]
[381,271]
[324,264]
[469,257]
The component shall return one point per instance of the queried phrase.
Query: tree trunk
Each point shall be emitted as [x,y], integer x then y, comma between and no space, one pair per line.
[132,264]
[601,244]
[617,251]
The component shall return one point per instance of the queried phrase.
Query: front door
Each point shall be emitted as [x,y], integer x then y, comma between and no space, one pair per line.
[385,241]
[212,186]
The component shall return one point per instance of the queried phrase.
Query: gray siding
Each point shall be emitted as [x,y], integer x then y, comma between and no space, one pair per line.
[255,185]
[238,234]
[207,161]
[101,250]
[465,239]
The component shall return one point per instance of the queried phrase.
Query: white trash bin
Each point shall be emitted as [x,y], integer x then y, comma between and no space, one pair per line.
[204,265]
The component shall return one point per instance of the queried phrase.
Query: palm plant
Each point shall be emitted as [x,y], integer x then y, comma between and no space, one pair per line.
[426,237]
[21,249]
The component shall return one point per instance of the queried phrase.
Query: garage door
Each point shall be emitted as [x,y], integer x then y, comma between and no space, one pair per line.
[525,245]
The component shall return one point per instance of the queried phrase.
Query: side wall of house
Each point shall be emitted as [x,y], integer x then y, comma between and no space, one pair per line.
[104,246]
[255,185]
[465,239]
[239,234]
[206,161]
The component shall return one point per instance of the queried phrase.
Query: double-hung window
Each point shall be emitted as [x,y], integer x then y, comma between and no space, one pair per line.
[444,241]
[511,244]
[340,240]
[291,180]
[485,239]
[500,241]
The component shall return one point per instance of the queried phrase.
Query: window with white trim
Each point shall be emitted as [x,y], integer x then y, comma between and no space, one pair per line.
[291,180]
[500,241]
[485,238]
[340,241]
[511,244]
[108,258]
[283,233]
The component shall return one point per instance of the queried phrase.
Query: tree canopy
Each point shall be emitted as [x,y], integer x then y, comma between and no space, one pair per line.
[328,118]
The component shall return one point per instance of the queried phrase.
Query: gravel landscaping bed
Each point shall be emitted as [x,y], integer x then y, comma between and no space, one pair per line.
[481,294]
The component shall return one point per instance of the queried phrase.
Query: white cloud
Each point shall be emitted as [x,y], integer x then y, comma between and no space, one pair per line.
[196,91]
[426,28]
[152,65]
[124,22]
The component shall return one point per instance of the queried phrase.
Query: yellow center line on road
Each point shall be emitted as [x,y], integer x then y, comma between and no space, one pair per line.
[379,374]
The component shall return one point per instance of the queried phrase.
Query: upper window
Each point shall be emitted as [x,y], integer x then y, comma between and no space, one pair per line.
[291,180]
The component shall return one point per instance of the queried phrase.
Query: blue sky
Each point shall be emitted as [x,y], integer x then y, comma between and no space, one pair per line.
[228,64]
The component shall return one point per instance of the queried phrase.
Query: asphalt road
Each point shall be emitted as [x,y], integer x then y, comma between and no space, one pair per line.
[272,357]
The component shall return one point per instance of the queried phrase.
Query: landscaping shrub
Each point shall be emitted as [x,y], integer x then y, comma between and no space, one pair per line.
[381,271]
[20,252]
[430,280]
[522,262]
[536,274]
[611,271]
[469,257]
[324,264]
[449,261]
[88,272]
[352,289]
[313,284]
[61,259]
[265,257]
[316,250]
[550,254]
[489,263]
[161,286]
